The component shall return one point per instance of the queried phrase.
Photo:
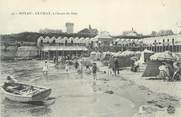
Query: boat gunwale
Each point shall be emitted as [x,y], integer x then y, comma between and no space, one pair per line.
[12,94]
[25,96]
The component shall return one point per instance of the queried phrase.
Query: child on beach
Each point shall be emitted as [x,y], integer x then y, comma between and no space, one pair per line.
[88,70]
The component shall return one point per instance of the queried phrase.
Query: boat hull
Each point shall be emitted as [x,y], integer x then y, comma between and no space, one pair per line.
[41,96]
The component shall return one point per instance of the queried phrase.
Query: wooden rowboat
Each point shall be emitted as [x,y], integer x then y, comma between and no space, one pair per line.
[21,92]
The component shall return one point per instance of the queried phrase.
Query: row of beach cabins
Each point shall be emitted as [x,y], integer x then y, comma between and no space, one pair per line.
[157,44]
[103,42]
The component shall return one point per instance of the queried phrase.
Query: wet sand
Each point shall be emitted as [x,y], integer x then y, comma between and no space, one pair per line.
[77,95]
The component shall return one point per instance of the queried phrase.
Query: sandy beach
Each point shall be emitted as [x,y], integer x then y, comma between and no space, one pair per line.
[80,96]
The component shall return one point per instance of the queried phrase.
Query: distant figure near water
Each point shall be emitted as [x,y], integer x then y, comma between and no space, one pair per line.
[116,66]
[76,65]
[94,71]
[88,70]
[45,68]
[67,66]
[109,72]
[80,69]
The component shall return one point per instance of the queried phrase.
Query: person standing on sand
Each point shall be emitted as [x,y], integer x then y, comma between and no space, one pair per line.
[76,65]
[176,66]
[94,71]
[116,66]
[45,68]
[80,70]
[54,59]
[88,70]
[164,72]
[67,67]
[177,71]
[109,72]
[136,66]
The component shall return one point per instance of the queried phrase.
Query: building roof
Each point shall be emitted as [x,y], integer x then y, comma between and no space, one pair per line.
[103,35]
[64,48]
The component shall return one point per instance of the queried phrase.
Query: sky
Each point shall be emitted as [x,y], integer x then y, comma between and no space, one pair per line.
[114,16]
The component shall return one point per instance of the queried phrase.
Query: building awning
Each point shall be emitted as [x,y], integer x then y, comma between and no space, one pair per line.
[64,48]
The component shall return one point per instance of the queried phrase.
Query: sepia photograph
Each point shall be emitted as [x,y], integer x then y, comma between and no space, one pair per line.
[90,58]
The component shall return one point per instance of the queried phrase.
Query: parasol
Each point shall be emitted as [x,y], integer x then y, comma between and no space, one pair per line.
[148,51]
[134,58]
[127,53]
[164,56]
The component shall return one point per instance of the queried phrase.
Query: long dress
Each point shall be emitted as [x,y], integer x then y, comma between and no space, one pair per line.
[66,67]
[164,72]
[45,68]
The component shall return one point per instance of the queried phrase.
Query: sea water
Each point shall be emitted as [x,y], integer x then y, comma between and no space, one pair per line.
[73,95]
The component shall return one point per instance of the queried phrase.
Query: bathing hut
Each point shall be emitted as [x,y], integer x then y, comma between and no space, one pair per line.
[156,60]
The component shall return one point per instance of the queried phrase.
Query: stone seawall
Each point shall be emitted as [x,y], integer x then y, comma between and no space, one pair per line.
[27,52]
[8,53]
[24,52]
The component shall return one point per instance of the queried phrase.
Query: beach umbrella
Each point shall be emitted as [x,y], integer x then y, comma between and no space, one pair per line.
[117,40]
[119,52]
[148,51]
[127,53]
[134,58]
[138,52]
[116,55]
[164,56]
[93,53]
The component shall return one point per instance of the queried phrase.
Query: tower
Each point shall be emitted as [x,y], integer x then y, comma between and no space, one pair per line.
[90,27]
[69,27]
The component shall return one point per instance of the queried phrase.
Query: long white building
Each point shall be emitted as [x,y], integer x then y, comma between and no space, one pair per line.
[163,43]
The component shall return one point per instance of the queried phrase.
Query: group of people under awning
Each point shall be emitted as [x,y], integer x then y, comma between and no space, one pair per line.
[170,72]
[170,68]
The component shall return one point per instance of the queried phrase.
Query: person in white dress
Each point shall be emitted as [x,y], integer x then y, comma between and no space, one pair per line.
[45,68]
[67,67]
[109,72]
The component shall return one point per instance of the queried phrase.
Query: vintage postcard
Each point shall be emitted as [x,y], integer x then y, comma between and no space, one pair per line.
[90,58]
